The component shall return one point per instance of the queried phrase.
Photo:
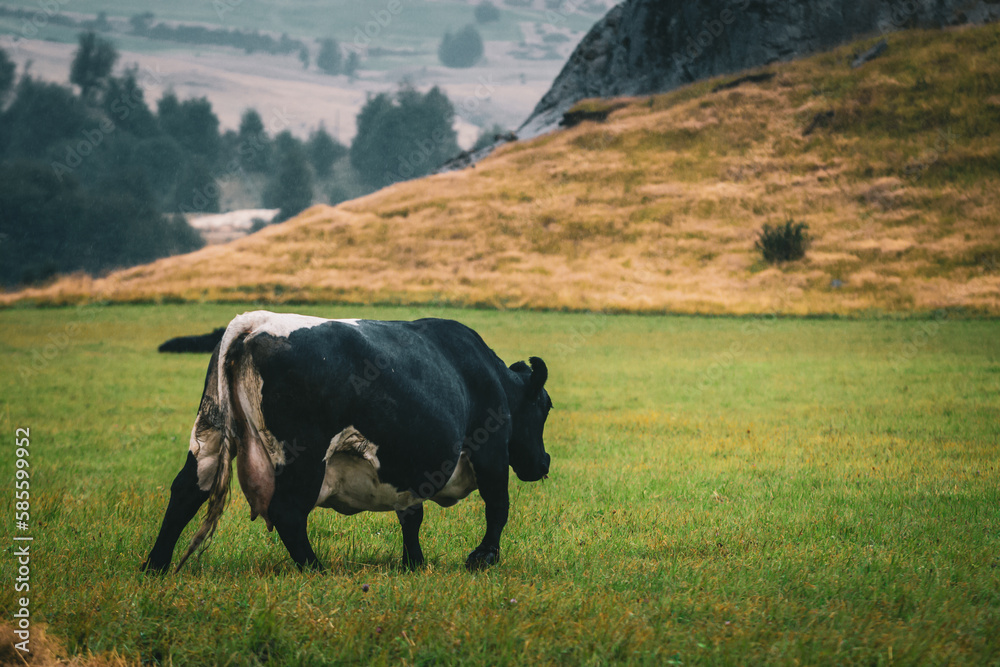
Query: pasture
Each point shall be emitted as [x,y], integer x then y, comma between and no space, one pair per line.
[723,491]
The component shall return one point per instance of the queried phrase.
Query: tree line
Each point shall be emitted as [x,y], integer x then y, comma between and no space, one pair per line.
[94,177]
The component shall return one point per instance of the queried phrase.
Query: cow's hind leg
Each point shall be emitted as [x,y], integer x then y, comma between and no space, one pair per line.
[493,489]
[185,500]
[289,517]
[410,520]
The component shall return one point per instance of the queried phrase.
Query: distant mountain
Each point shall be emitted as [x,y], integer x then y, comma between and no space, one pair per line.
[652,46]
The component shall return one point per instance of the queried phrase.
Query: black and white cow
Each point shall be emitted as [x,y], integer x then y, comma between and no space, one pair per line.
[357,415]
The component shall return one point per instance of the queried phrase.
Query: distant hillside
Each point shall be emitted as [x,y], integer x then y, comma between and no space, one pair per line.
[643,47]
[895,167]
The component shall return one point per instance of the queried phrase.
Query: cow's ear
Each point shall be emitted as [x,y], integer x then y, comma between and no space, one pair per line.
[520,368]
[539,374]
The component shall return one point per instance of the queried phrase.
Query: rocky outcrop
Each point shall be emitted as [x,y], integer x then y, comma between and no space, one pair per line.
[650,46]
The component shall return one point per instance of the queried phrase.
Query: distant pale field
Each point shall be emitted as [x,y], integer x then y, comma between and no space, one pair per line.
[895,168]
[723,491]
[502,90]
[413,23]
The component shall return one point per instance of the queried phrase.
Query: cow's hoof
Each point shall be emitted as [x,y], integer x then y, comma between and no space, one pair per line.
[480,559]
[413,564]
[149,567]
[311,566]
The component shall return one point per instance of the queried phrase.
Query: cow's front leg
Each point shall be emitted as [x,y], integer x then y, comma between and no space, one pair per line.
[410,520]
[493,489]
[185,500]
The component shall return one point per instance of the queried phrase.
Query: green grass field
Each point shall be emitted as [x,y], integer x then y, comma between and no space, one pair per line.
[723,490]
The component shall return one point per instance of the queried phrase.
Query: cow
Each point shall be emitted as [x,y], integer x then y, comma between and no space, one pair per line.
[198,344]
[356,415]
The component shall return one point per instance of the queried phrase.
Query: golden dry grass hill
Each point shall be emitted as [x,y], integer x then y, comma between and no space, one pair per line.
[894,166]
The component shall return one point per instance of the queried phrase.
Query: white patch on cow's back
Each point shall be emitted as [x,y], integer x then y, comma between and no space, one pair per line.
[263,321]
[281,324]
[351,483]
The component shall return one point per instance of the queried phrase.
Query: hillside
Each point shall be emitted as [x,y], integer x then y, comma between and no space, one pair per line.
[895,167]
[645,47]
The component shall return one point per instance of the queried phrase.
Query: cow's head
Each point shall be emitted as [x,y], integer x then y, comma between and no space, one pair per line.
[527,451]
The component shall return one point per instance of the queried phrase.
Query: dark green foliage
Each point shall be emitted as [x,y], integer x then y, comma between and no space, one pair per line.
[92,63]
[125,104]
[403,137]
[251,41]
[253,145]
[163,160]
[486,12]
[191,123]
[42,116]
[463,49]
[783,243]
[337,193]
[49,223]
[304,57]
[85,181]
[323,151]
[141,22]
[7,71]
[291,186]
[329,58]
[197,190]
[285,142]
[352,64]
[100,24]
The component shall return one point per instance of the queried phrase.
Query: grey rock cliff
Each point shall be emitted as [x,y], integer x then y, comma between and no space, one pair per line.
[650,46]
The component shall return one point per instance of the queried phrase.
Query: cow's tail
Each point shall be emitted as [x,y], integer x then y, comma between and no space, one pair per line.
[231,351]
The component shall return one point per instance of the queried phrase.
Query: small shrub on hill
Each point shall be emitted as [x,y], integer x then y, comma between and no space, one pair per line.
[783,243]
